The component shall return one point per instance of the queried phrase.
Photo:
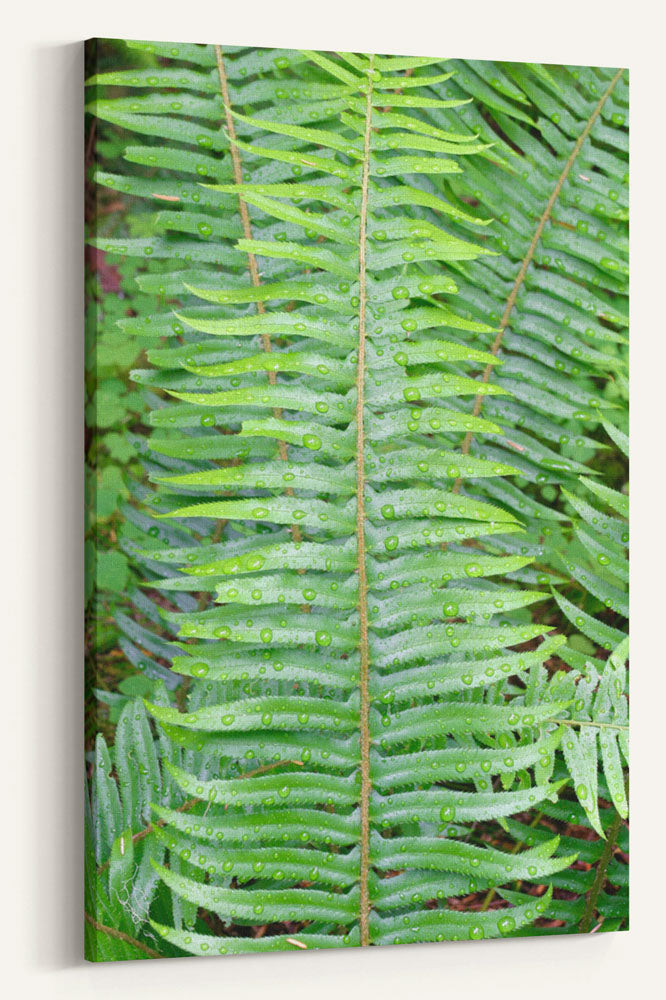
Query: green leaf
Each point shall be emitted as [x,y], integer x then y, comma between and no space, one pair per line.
[111,571]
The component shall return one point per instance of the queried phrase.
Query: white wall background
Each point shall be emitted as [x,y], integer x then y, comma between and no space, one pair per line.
[41,344]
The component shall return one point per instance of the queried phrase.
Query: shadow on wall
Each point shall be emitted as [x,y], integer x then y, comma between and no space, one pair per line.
[54,664]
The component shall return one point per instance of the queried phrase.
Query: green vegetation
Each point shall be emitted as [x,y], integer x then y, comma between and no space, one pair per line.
[358,539]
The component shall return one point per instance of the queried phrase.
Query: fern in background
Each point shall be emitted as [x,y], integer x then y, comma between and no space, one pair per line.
[560,292]
[390,324]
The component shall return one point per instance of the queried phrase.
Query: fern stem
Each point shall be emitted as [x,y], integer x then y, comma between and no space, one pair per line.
[247,233]
[265,768]
[600,877]
[121,936]
[511,301]
[136,837]
[238,179]
[366,785]
[585,722]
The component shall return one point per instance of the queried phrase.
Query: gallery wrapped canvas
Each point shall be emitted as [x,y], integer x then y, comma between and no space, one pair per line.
[357,537]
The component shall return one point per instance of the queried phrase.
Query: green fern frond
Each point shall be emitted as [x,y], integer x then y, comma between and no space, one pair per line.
[354,376]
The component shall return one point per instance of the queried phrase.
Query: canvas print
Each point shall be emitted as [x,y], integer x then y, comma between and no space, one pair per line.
[356,546]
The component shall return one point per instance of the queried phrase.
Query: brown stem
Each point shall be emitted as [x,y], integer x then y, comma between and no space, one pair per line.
[247,233]
[511,301]
[269,767]
[121,936]
[366,784]
[136,837]
[600,877]
[238,179]
[589,722]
